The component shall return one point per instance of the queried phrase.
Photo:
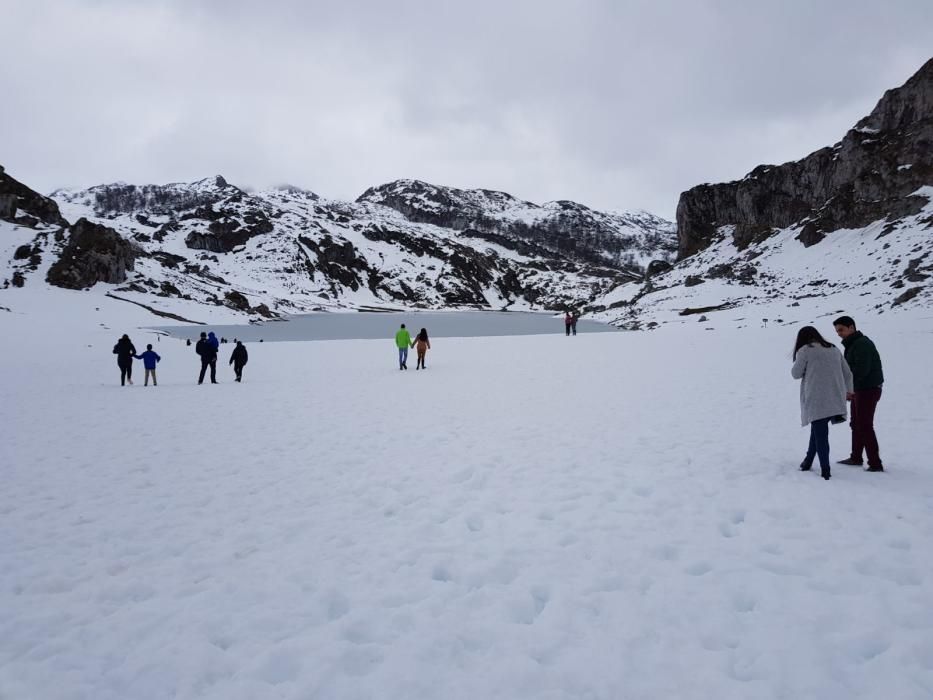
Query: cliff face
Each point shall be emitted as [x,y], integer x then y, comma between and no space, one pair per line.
[93,254]
[871,174]
[21,205]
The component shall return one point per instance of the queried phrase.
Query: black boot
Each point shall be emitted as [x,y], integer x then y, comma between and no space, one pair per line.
[850,461]
[805,465]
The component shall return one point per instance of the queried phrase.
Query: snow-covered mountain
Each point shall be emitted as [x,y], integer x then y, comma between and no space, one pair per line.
[852,223]
[849,223]
[287,250]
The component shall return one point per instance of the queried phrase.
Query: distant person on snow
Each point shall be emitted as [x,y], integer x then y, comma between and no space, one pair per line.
[238,358]
[149,358]
[825,382]
[421,345]
[865,363]
[568,322]
[574,317]
[125,353]
[206,347]
[402,342]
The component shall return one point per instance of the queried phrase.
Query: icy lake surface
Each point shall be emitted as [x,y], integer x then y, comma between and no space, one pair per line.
[371,326]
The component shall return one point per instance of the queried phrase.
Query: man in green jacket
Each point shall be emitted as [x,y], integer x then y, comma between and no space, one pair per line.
[402,342]
[865,363]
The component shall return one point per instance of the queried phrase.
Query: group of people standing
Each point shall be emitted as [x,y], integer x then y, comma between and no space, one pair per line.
[207,348]
[829,381]
[403,342]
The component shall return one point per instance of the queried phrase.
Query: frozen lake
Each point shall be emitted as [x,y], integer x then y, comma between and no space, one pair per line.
[371,326]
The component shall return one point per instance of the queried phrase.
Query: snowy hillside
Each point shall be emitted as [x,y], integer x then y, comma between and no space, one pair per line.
[880,268]
[287,250]
[849,224]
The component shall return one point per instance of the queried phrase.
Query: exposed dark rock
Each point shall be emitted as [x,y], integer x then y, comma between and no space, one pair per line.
[863,178]
[338,261]
[704,309]
[907,296]
[16,197]
[23,252]
[27,221]
[169,289]
[657,267]
[264,310]
[225,234]
[810,234]
[742,273]
[93,254]
[18,280]
[693,280]
[7,206]
[169,260]
[160,199]
[237,301]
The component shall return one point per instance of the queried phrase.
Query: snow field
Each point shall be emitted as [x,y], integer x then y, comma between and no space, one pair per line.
[605,516]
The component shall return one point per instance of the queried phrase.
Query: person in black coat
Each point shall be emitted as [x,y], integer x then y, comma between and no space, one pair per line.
[125,353]
[208,352]
[238,359]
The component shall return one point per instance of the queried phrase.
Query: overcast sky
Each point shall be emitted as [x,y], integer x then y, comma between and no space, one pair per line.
[619,105]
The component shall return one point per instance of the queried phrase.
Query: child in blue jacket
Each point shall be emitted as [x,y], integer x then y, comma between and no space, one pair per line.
[149,358]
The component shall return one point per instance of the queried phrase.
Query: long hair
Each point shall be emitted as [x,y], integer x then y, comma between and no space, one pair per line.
[423,335]
[808,335]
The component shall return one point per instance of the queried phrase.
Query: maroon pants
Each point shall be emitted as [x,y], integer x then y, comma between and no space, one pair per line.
[863,425]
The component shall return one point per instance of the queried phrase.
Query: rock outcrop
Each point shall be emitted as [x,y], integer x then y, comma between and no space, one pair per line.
[93,253]
[871,174]
[120,198]
[21,205]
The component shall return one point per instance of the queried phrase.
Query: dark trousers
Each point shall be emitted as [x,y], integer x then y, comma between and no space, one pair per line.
[567,325]
[204,365]
[863,425]
[238,370]
[819,444]
[126,372]
[573,327]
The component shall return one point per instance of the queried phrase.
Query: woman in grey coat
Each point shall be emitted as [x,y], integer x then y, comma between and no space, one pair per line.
[825,379]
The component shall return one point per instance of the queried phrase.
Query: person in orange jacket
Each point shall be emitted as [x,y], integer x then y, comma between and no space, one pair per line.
[421,345]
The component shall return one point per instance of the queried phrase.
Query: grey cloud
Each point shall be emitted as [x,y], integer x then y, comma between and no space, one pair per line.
[615,104]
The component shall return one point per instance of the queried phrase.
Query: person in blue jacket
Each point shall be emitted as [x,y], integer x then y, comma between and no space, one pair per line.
[149,358]
[207,348]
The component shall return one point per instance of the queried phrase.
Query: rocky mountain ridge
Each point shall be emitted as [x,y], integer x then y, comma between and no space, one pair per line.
[871,174]
[851,223]
[287,250]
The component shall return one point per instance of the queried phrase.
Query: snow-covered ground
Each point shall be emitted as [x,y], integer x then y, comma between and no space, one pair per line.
[613,515]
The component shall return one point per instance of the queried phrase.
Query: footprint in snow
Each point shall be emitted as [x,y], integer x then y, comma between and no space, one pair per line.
[698,569]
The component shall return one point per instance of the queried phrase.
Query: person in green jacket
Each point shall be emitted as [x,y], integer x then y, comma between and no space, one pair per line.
[402,342]
[867,375]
